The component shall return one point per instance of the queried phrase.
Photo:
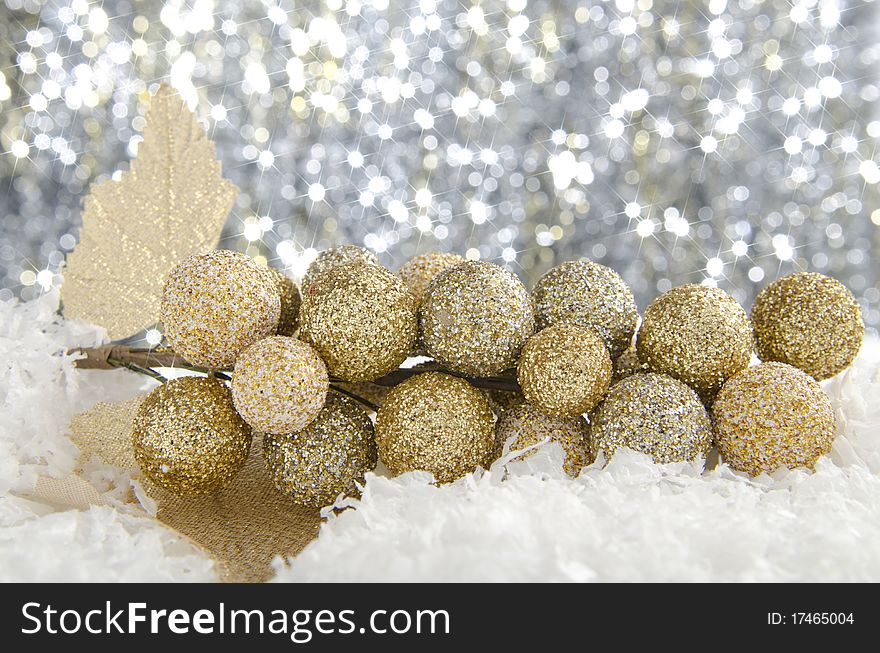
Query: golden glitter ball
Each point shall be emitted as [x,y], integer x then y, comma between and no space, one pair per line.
[216,304]
[529,426]
[327,458]
[590,295]
[188,438]
[437,423]
[360,318]
[654,414]
[279,384]
[502,400]
[418,272]
[697,334]
[475,318]
[564,370]
[290,301]
[772,415]
[627,364]
[810,321]
[334,256]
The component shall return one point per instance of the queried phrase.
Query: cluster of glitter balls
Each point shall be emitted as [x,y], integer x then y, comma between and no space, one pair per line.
[570,362]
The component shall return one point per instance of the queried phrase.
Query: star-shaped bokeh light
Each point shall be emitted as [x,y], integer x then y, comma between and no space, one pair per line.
[724,142]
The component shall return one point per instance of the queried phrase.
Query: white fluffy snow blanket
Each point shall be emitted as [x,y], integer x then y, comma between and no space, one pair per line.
[628,520]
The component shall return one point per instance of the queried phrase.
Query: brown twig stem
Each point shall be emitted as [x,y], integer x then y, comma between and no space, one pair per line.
[113,356]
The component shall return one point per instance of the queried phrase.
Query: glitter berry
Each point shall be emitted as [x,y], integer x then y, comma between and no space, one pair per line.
[214,305]
[475,318]
[187,437]
[772,415]
[436,423]
[327,458]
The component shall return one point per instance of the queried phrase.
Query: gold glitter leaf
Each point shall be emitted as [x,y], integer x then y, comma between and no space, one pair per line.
[171,203]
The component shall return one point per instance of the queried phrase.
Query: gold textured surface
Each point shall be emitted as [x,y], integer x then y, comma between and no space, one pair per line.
[216,304]
[772,415]
[810,321]
[288,321]
[627,364]
[475,318]
[564,370]
[361,320]
[418,272]
[531,426]
[591,295]
[501,400]
[171,203]
[373,393]
[334,256]
[654,414]
[242,526]
[437,423]
[327,458]
[279,385]
[696,334]
[187,437]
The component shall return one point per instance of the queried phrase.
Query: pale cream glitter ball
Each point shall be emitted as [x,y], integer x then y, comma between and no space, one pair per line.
[437,423]
[216,304]
[653,414]
[418,272]
[327,458]
[187,437]
[334,256]
[361,320]
[564,370]
[696,334]
[590,295]
[475,318]
[529,426]
[772,415]
[279,384]
[810,321]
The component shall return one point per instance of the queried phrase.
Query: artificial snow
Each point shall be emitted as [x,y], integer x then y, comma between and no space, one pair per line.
[523,520]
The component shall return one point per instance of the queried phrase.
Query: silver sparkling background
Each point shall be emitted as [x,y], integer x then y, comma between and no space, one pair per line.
[725,141]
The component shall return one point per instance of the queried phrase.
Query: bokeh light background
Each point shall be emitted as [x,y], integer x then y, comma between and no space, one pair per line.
[725,142]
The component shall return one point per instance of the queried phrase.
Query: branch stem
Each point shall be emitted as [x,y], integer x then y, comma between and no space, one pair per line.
[144,360]
[365,402]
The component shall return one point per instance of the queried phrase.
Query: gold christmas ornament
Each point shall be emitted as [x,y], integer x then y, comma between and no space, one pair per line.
[334,256]
[360,318]
[654,414]
[530,426]
[627,364]
[564,370]
[475,318]
[696,334]
[188,438]
[279,385]
[327,458]
[290,298]
[418,272]
[172,202]
[772,415]
[216,304]
[502,400]
[590,295]
[810,321]
[437,423]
